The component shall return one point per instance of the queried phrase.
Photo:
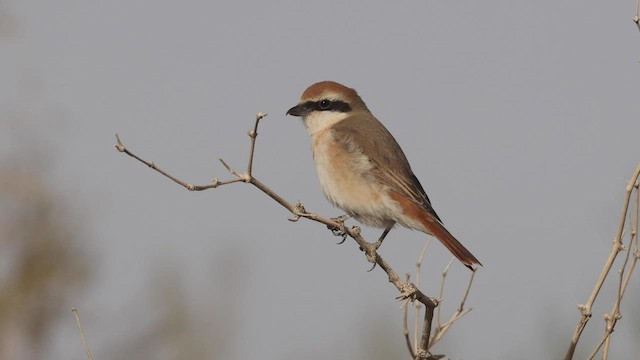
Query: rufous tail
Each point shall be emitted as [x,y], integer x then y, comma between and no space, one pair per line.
[433,226]
[450,242]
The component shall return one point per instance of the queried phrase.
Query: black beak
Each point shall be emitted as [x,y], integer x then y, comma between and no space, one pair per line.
[298,110]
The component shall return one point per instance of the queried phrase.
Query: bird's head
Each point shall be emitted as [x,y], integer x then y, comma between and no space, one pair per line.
[326,103]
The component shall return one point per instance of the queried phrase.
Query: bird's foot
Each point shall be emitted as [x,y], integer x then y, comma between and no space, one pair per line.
[340,231]
[371,254]
[342,234]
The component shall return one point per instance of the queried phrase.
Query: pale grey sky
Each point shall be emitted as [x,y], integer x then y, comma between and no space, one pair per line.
[520,118]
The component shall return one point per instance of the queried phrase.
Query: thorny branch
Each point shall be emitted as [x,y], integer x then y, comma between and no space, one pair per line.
[623,280]
[617,247]
[408,291]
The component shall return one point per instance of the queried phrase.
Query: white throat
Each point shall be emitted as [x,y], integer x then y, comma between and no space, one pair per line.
[320,120]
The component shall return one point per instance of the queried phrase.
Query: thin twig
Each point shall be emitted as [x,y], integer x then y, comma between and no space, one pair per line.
[416,320]
[426,340]
[416,325]
[442,282]
[441,329]
[419,262]
[466,293]
[421,347]
[214,183]
[617,246]
[253,134]
[612,318]
[84,340]
[405,329]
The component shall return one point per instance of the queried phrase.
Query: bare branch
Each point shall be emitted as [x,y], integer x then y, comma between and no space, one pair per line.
[617,246]
[466,293]
[417,304]
[416,320]
[408,291]
[442,282]
[253,134]
[419,262]
[421,350]
[426,328]
[441,329]
[84,340]
[214,183]
[612,318]
[405,325]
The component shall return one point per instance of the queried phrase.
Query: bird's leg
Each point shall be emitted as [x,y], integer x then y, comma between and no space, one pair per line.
[339,232]
[376,245]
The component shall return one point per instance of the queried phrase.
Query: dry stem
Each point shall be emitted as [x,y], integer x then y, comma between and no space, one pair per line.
[617,246]
[84,340]
[406,327]
[416,320]
[441,329]
[612,318]
[427,341]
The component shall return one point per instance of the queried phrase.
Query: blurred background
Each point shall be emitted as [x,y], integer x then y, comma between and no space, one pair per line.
[520,118]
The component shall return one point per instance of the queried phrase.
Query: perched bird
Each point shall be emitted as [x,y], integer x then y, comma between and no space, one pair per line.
[363,170]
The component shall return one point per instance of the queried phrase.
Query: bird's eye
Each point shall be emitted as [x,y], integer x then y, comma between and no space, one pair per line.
[324,104]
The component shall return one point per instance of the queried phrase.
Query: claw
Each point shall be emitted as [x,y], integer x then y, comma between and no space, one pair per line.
[373,267]
[344,238]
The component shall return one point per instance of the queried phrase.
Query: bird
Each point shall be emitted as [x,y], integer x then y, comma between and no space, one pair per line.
[363,170]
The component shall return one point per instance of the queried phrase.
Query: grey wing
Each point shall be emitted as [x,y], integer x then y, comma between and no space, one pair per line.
[363,132]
